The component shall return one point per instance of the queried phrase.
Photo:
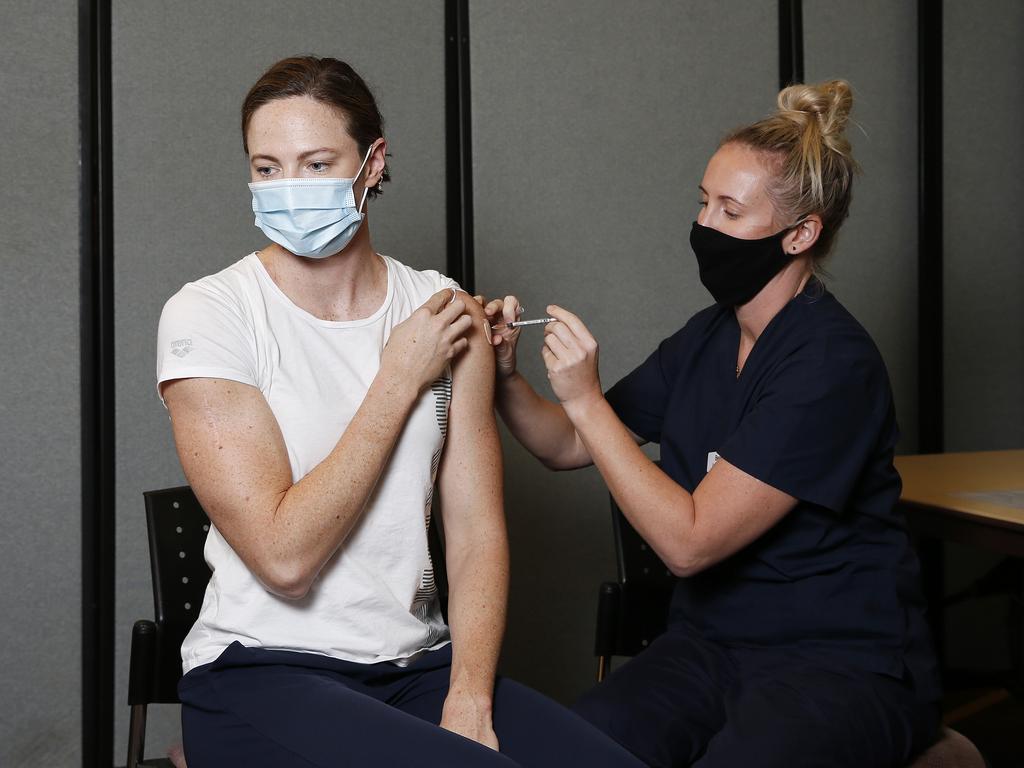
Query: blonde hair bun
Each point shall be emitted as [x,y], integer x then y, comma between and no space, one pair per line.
[822,109]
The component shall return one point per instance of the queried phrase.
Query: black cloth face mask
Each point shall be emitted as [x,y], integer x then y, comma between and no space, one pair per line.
[735,270]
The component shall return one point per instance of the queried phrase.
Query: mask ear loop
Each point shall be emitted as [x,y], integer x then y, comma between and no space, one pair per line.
[366,187]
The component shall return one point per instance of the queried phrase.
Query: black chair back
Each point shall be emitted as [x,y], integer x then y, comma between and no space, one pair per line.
[634,610]
[177,528]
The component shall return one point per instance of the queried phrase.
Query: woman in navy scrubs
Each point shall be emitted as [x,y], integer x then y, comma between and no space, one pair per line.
[796,633]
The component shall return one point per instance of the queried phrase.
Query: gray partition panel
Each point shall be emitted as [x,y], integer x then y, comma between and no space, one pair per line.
[183,210]
[984,232]
[983,122]
[40,464]
[592,124]
[874,265]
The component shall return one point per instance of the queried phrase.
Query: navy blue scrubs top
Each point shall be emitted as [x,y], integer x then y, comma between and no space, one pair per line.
[812,415]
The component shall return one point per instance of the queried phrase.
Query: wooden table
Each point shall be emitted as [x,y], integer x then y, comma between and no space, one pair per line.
[971,498]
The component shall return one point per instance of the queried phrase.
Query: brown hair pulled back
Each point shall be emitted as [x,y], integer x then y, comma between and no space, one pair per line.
[328,81]
[808,154]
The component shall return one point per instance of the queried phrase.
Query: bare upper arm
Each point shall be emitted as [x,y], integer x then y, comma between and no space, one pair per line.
[234,457]
[731,509]
[470,475]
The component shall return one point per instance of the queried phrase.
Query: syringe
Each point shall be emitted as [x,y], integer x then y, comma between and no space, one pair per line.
[521,323]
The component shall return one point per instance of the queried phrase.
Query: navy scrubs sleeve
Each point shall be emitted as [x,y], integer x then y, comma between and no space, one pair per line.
[640,398]
[816,421]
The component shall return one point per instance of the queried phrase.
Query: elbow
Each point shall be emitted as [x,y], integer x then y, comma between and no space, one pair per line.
[554,463]
[563,462]
[287,580]
[687,562]
[683,569]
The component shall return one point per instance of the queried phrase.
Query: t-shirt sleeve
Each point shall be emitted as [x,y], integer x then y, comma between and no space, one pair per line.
[815,426]
[443,281]
[639,399]
[203,334]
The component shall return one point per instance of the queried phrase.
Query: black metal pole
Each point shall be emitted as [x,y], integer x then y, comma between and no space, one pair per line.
[791,42]
[458,147]
[96,283]
[930,396]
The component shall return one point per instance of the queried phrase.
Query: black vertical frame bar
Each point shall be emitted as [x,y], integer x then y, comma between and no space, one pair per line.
[930,394]
[791,42]
[458,147]
[96,302]
[930,374]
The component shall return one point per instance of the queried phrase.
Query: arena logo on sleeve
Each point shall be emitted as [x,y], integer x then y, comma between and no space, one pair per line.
[181,347]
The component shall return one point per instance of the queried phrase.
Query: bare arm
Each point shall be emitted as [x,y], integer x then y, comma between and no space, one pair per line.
[476,542]
[728,509]
[234,455]
[541,426]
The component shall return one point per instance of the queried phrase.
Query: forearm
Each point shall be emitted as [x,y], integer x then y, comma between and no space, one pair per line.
[477,547]
[541,426]
[478,595]
[660,510]
[315,515]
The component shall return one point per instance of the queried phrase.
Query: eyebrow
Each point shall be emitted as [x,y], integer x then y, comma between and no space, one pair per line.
[722,197]
[302,156]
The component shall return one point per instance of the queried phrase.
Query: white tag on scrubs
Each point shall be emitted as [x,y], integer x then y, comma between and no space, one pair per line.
[712,458]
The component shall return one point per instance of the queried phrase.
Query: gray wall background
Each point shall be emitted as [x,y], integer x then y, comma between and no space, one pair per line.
[873,45]
[592,122]
[984,276]
[984,268]
[40,605]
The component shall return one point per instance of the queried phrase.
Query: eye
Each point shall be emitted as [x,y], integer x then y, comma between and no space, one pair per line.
[318,166]
[731,215]
[703,203]
[264,170]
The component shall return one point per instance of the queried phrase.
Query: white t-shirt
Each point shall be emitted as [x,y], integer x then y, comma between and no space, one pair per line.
[375,599]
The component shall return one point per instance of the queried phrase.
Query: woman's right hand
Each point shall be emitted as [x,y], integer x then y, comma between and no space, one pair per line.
[420,347]
[504,341]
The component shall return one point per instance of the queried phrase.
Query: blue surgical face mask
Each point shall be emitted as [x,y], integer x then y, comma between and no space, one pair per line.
[309,217]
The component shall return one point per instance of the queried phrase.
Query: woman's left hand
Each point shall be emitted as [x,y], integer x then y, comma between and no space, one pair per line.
[570,354]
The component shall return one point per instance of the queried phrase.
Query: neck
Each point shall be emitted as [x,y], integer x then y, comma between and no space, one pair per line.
[347,285]
[754,316]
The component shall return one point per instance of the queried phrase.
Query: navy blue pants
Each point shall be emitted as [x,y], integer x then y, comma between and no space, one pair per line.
[256,708]
[686,701]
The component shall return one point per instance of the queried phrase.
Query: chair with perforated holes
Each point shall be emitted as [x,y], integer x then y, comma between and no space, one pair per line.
[632,611]
[177,528]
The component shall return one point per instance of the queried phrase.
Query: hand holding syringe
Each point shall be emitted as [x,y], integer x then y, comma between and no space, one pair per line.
[569,351]
[503,326]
